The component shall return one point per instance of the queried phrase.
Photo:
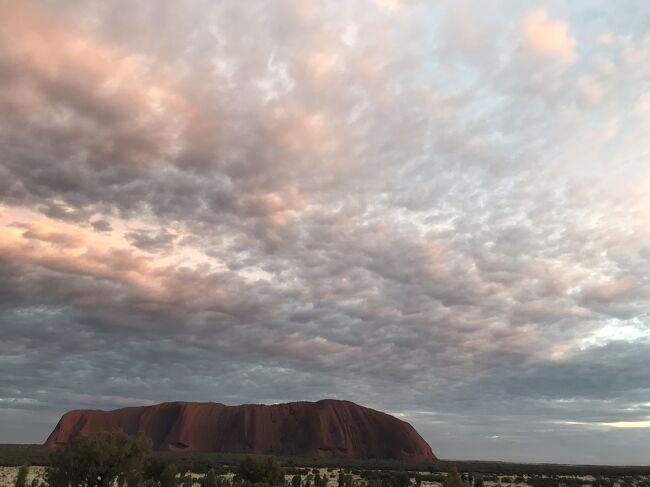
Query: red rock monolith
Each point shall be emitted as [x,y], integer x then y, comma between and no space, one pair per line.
[327,428]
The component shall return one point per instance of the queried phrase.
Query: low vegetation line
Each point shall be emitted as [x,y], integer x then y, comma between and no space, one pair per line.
[115,459]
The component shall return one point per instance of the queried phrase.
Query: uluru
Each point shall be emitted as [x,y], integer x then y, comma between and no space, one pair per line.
[326,428]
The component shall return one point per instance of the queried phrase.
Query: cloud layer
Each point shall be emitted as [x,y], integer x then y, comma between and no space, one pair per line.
[438,211]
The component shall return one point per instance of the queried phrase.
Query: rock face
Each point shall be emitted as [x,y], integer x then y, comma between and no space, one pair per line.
[327,428]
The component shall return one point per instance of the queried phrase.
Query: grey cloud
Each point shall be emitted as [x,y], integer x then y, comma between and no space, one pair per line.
[101,225]
[144,240]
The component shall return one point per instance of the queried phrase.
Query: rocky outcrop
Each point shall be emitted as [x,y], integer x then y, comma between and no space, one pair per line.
[328,428]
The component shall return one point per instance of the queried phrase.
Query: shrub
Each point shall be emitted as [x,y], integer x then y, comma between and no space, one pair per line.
[267,471]
[400,479]
[210,479]
[168,476]
[453,479]
[134,479]
[186,480]
[21,479]
[98,459]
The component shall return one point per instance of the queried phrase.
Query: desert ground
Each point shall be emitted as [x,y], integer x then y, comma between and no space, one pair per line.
[8,477]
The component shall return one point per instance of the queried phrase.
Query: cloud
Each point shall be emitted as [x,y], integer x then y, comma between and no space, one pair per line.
[590,91]
[414,208]
[143,240]
[101,225]
[629,424]
[642,107]
[51,234]
[546,37]
[94,83]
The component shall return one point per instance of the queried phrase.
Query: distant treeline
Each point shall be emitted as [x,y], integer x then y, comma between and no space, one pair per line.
[16,455]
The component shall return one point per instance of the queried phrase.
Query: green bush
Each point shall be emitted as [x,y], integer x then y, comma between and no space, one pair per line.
[453,479]
[168,476]
[21,479]
[186,480]
[266,471]
[399,479]
[97,460]
[210,479]
[134,479]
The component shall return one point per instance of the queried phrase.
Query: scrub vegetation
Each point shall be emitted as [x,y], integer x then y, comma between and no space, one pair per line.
[114,459]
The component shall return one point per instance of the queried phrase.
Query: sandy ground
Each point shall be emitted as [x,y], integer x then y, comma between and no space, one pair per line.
[8,477]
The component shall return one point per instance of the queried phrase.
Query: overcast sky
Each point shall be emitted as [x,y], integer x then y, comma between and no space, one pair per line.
[436,209]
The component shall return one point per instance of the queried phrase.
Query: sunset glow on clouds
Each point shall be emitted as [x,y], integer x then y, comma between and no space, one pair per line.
[440,210]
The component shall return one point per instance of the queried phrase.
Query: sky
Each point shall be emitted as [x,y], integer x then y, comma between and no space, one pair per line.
[436,209]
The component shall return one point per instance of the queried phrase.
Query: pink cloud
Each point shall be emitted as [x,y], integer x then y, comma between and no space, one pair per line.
[50,65]
[301,347]
[546,37]
[52,234]
[589,90]
[642,107]
[610,291]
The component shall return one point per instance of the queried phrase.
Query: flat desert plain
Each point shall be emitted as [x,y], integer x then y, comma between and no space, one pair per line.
[8,478]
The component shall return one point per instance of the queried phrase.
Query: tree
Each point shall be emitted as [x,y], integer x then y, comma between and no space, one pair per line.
[97,460]
[168,476]
[453,479]
[296,481]
[266,471]
[186,480]
[478,481]
[400,479]
[210,479]
[134,479]
[21,479]
[153,468]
